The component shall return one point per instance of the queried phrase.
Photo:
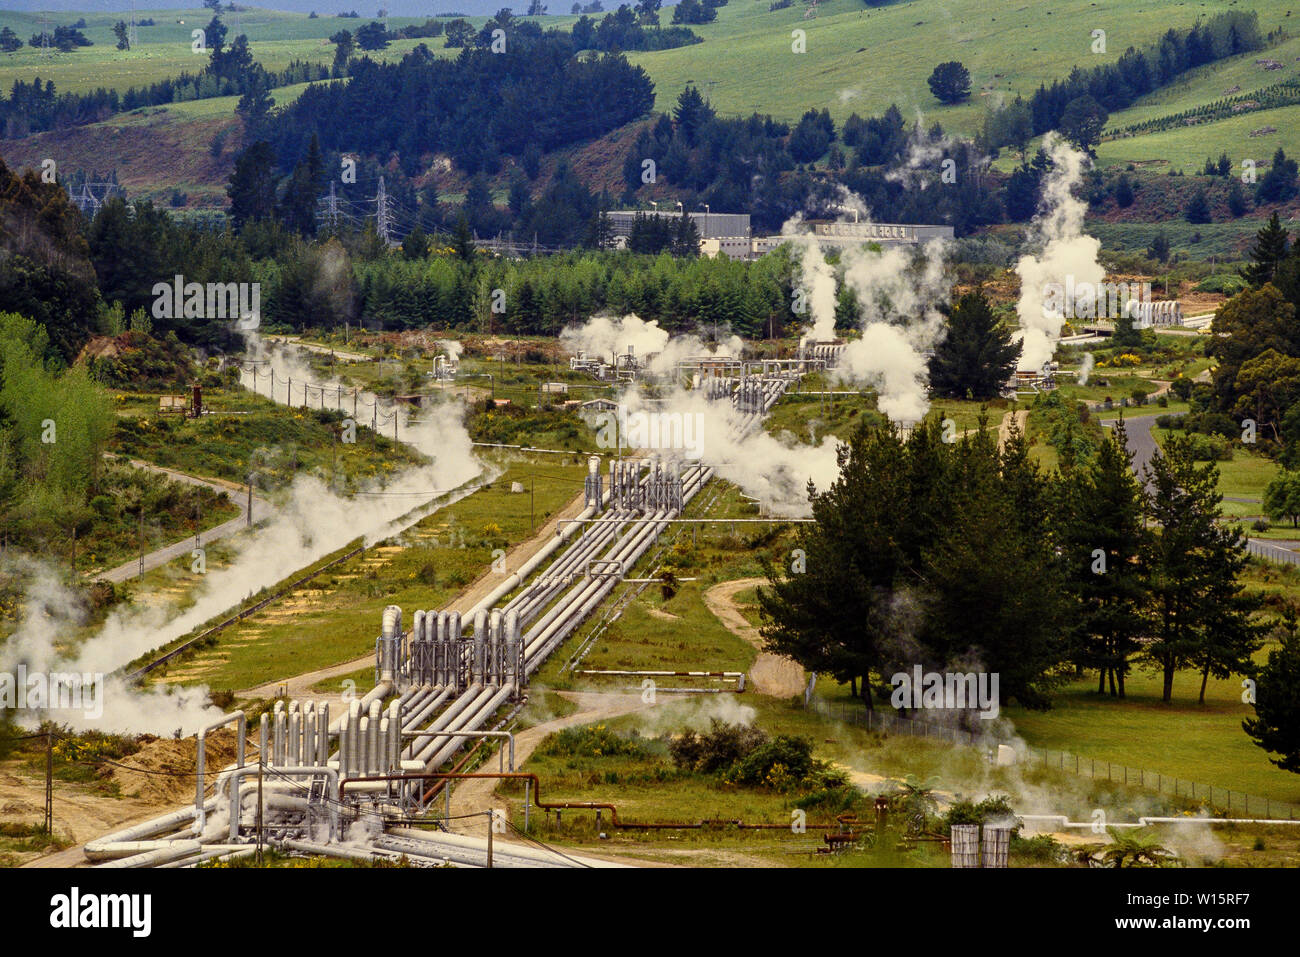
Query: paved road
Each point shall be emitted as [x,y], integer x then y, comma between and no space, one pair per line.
[1141,443]
[162,556]
[1142,446]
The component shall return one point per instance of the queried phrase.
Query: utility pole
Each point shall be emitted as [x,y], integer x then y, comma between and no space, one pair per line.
[250,499]
[261,764]
[140,541]
[532,484]
[491,823]
[49,783]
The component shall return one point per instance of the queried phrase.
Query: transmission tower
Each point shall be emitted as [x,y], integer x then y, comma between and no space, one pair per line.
[382,222]
[132,37]
[45,35]
[333,208]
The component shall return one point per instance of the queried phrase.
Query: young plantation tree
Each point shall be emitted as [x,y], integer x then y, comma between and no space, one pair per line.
[977,357]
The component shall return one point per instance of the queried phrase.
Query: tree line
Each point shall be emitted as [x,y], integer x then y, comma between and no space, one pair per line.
[1081,102]
[963,556]
[231,71]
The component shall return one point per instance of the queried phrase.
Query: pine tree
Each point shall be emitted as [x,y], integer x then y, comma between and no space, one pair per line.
[977,357]
[1201,615]
[1270,249]
[416,244]
[686,238]
[252,185]
[1103,536]
[463,242]
[1276,725]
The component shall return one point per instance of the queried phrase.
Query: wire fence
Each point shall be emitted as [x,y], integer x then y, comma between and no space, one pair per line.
[1270,552]
[1212,796]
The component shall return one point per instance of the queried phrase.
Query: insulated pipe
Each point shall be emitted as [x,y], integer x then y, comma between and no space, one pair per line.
[374,744]
[118,843]
[363,767]
[493,664]
[419,716]
[513,580]
[477,717]
[394,754]
[294,741]
[392,632]
[237,774]
[352,758]
[378,693]
[240,720]
[323,733]
[467,704]
[480,626]
[629,548]
[465,843]
[309,740]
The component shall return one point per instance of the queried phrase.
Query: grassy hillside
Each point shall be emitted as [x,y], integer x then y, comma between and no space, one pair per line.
[862,60]
[858,59]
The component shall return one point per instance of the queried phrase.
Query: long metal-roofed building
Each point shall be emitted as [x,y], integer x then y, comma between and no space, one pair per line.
[730,235]
[711,225]
[854,234]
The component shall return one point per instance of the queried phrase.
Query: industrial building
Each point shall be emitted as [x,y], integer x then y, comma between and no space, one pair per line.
[711,225]
[730,234]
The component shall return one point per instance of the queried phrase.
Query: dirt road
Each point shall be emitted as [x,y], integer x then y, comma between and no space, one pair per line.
[770,674]
[154,559]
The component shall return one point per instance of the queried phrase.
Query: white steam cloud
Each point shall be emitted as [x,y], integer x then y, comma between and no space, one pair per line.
[1085,368]
[311,522]
[1067,251]
[608,336]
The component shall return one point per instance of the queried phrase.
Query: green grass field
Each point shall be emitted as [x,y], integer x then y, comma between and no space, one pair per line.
[856,60]
[333,618]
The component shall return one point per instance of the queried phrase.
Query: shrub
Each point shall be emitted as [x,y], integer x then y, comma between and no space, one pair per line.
[1209,448]
[779,764]
[991,809]
[716,749]
[592,741]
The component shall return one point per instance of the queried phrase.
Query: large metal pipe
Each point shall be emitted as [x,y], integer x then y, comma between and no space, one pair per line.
[201,759]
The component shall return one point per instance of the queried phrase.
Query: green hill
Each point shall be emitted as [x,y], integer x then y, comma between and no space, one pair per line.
[858,59]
